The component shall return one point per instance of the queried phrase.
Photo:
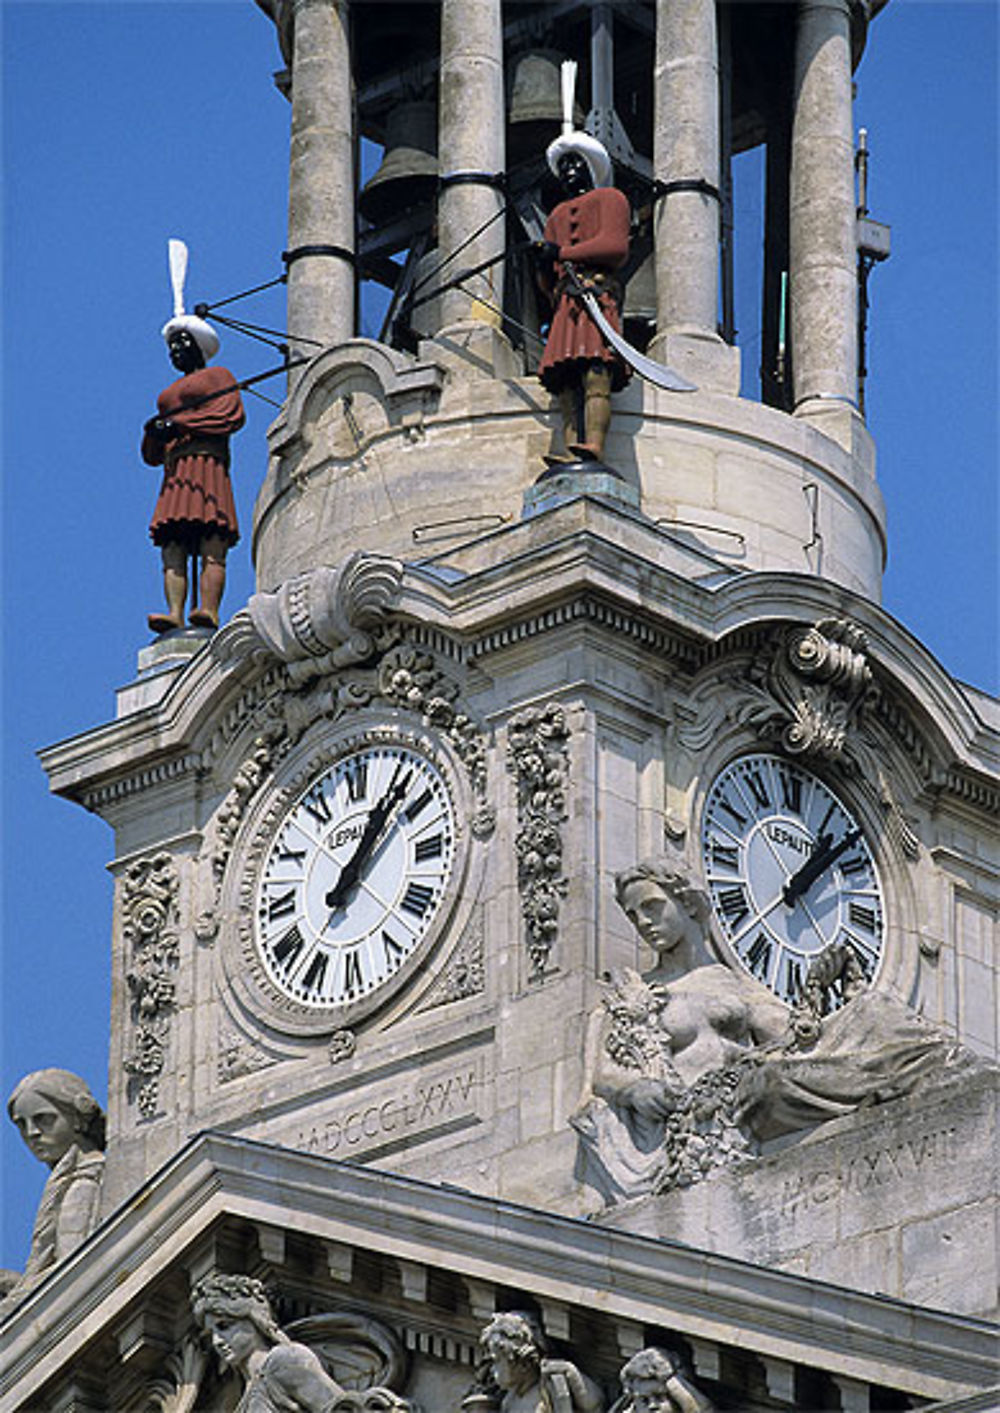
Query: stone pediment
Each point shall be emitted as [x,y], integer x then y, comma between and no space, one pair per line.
[437,1262]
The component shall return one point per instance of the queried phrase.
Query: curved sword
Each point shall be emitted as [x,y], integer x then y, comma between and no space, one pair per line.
[647,368]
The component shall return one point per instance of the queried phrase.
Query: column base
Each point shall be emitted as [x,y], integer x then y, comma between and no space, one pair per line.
[703,358]
[842,423]
[472,349]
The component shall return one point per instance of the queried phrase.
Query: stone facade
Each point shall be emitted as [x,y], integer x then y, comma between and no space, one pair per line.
[375,1195]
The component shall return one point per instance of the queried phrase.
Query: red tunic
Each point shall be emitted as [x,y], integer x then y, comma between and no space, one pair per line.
[592,231]
[196,498]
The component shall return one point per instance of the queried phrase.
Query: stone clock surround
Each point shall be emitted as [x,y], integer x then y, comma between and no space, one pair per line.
[470,1075]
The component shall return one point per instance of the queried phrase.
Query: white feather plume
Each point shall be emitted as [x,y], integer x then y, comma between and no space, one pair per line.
[567,75]
[177,255]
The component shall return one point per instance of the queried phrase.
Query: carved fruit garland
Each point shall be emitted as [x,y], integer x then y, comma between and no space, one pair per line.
[538,757]
[149,929]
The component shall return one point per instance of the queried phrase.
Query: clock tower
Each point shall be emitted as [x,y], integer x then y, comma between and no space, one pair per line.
[561,885]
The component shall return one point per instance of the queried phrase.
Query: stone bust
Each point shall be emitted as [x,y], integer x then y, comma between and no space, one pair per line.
[63,1125]
[279,1375]
[530,1381]
[652,1383]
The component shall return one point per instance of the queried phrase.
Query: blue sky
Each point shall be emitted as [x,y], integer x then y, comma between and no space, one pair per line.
[126,123]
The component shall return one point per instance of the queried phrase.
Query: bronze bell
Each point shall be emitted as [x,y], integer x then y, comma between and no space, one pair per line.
[535,107]
[408,172]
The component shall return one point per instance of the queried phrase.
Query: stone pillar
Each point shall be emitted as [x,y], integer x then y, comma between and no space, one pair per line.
[686,161]
[822,216]
[471,144]
[321,179]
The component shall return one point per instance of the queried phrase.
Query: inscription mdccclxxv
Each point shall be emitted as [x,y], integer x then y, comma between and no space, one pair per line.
[427,1106]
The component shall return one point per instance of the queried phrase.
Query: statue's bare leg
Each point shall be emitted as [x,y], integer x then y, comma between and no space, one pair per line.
[174,587]
[211,583]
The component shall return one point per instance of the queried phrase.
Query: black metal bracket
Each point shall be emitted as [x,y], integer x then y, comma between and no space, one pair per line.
[494,179]
[699,184]
[338,252]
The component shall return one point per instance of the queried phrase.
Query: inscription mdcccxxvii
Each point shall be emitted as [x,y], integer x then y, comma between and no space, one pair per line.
[877,1168]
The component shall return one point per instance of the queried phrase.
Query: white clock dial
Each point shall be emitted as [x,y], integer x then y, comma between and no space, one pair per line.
[355,875]
[789,871]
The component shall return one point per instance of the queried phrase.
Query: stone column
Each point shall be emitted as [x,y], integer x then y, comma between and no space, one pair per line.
[822,216]
[321,179]
[471,144]
[686,161]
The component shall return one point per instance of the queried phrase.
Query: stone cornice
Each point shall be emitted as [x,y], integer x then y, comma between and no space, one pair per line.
[709,1297]
[588,563]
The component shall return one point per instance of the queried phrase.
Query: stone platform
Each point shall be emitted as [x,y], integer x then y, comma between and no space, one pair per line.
[899,1200]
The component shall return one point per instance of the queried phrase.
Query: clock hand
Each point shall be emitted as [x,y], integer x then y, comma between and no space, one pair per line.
[824,853]
[380,813]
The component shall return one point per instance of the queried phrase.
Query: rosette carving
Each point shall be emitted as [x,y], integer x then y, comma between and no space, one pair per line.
[538,757]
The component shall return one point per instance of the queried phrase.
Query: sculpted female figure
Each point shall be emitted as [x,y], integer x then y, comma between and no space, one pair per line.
[666,1052]
[63,1125]
[279,1376]
[529,1380]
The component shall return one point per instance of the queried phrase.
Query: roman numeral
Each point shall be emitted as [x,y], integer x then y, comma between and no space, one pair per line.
[291,855]
[401,778]
[792,983]
[357,781]
[352,971]
[826,818]
[855,865]
[417,899]
[758,956]
[733,812]
[289,947]
[791,791]
[394,952]
[283,904]
[316,804]
[733,905]
[428,848]
[757,788]
[419,805]
[864,917]
[313,979]
[723,856]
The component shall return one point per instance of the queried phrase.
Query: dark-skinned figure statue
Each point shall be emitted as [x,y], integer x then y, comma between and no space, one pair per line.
[586,241]
[195,515]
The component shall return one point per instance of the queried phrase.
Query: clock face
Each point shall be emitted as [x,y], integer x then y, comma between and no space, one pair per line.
[355,875]
[789,872]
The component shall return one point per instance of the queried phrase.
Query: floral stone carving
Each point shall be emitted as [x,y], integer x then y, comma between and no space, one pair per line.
[149,930]
[538,757]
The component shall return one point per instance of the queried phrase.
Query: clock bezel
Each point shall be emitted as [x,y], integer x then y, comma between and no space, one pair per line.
[851,801]
[245,970]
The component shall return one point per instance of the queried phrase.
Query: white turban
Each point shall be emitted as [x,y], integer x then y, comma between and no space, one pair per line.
[593,152]
[202,332]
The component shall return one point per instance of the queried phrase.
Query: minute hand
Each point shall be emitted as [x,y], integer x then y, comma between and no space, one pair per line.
[351,871]
[817,863]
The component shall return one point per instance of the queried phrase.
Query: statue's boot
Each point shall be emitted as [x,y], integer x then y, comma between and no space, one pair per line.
[596,415]
[211,586]
[175,591]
